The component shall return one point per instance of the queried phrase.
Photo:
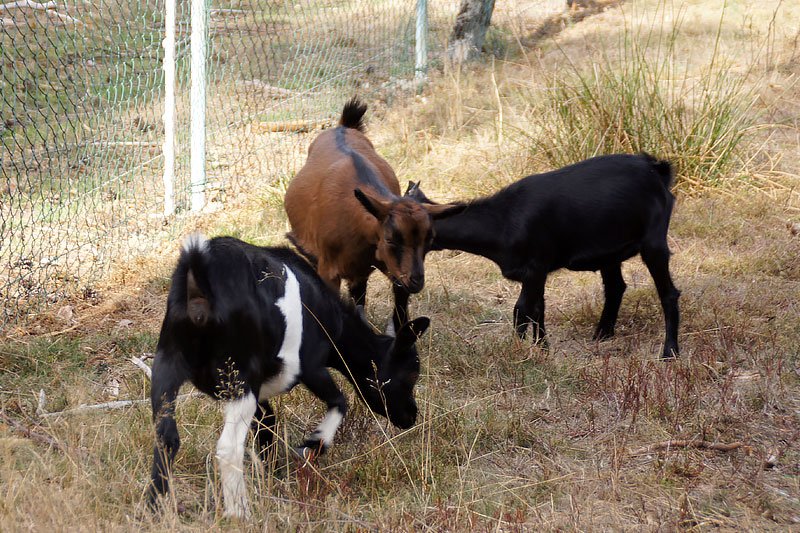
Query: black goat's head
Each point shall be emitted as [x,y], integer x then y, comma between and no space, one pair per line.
[391,391]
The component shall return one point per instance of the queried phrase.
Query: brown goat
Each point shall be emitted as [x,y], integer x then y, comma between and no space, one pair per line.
[347,215]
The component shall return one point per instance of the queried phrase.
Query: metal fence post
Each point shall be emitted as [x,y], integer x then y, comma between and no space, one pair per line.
[198,103]
[421,66]
[169,108]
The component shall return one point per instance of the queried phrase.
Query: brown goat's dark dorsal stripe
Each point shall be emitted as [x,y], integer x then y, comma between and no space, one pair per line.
[364,172]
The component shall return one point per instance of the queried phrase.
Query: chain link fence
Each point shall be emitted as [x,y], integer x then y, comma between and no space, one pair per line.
[81,105]
[81,131]
[80,86]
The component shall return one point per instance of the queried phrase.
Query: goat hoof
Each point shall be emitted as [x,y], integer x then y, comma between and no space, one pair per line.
[153,502]
[304,452]
[239,511]
[603,334]
[670,354]
[310,450]
[156,505]
[541,343]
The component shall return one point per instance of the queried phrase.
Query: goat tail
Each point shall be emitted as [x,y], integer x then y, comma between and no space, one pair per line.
[663,168]
[353,114]
[198,290]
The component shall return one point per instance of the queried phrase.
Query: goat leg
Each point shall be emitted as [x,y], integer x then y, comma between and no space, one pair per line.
[322,386]
[263,427]
[529,309]
[613,287]
[657,262]
[167,380]
[400,312]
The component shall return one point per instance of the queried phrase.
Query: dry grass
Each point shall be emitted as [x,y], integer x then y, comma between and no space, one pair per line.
[511,437]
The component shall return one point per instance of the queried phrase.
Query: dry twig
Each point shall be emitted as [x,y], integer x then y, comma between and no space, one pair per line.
[294,126]
[143,366]
[48,7]
[61,17]
[108,406]
[20,4]
[668,445]
[116,404]
[224,11]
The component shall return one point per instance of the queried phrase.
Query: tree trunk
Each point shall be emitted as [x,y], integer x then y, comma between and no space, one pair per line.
[469,30]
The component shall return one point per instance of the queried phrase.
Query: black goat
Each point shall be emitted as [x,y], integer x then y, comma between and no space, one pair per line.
[592,215]
[246,323]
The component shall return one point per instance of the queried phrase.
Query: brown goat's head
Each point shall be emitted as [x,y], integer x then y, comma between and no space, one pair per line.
[405,236]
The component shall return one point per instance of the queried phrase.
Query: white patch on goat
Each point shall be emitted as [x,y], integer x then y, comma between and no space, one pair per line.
[327,428]
[291,306]
[390,328]
[195,241]
[230,454]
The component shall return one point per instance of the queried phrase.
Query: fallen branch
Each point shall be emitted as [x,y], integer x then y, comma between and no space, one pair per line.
[66,19]
[116,404]
[294,126]
[48,7]
[224,11]
[146,144]
[668,445]
[21,4]
[109,406]
[143,366]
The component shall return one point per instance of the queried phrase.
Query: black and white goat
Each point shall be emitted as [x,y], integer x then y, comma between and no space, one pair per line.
[592,215]
[246,323]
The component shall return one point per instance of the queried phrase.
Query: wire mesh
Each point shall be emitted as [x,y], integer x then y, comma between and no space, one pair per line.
[81,101]
[79,126]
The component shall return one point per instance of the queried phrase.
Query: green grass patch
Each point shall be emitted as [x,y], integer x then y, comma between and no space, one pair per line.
[643,98]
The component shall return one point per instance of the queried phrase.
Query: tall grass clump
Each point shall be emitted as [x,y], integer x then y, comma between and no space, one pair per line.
[645,99]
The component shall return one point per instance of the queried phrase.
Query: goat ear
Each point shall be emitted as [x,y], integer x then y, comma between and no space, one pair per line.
[376,207]
[410,332]
[412,188]
[438,211]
